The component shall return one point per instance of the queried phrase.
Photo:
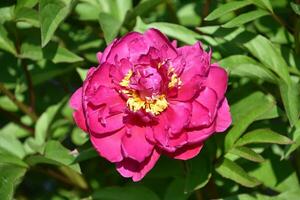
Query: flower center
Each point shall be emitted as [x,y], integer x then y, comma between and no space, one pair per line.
[146,87]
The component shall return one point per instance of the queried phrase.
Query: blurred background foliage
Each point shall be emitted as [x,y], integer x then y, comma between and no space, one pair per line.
[46,47]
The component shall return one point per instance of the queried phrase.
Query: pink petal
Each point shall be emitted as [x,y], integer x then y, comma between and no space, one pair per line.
[108,96]
[137,171]
[101,122]
[200,116]
[135,145]
[106,52]
[159,41]
[100,77]
[189,90]
[120,49]
[197,61]
[187,152]
[99,56]
[196,136]
[223,120]
[208,98]
[76,103]
[109,146]
[217,80]
[178,116]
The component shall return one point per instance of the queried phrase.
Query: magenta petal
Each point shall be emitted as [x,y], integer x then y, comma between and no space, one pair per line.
[108,96]
[100,122]
[156,39]
[109,146]
[223,120]
[196,136]
[178,116]
[189,90]
[200,115]
[100,77]
[217,80]
[135,145]
[99,56]
[107,51]
[197,61]
[208,98]
[137,171]
[187,152]
[76,103]
[120,48]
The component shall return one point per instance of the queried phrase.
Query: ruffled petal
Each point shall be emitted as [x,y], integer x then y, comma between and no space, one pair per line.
[135,145]
[120,48]
[100,77]
[101,122]
[196,136]
[197,61]
[109,146]
[78,115]
[131,168]
[189,90]
[178,116]
[159,41]
[200,116]
[186,152]
[209,99]
[223,120]
[217,80]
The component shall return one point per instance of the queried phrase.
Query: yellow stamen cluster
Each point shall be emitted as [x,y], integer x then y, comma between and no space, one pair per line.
[154,105]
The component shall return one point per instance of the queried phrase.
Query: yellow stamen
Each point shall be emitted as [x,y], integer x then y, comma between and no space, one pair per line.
[154,105]
[126,79]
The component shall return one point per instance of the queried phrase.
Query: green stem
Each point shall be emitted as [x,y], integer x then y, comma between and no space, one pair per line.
[24,108]
[14,118]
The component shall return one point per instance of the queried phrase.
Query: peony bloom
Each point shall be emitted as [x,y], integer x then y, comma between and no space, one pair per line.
[148,97]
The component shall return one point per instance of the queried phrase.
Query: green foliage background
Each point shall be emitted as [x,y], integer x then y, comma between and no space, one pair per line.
[46,47]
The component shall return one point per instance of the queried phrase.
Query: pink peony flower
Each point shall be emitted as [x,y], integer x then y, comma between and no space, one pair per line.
[148,97]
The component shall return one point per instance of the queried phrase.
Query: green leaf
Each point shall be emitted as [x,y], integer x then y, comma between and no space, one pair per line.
[79,137]
[28,15]
[245,18]
[295,7]
[233,171]
[275,173]
[52,13]
[58,153]
[5,43]
[59,54]
[26,3]
[290,97]
[295,135]
[263,136]
[82,73]
[267,53]
[195,178]
[247,153]
[176,191]
[226,8]
[110,26]
[10,176]
[8,158]
[11,144]
[246,112]
[173,30]
[127,192]
[263,4]
[86,155]
[52,52]
[43,124]
[244,66]
[142,8]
